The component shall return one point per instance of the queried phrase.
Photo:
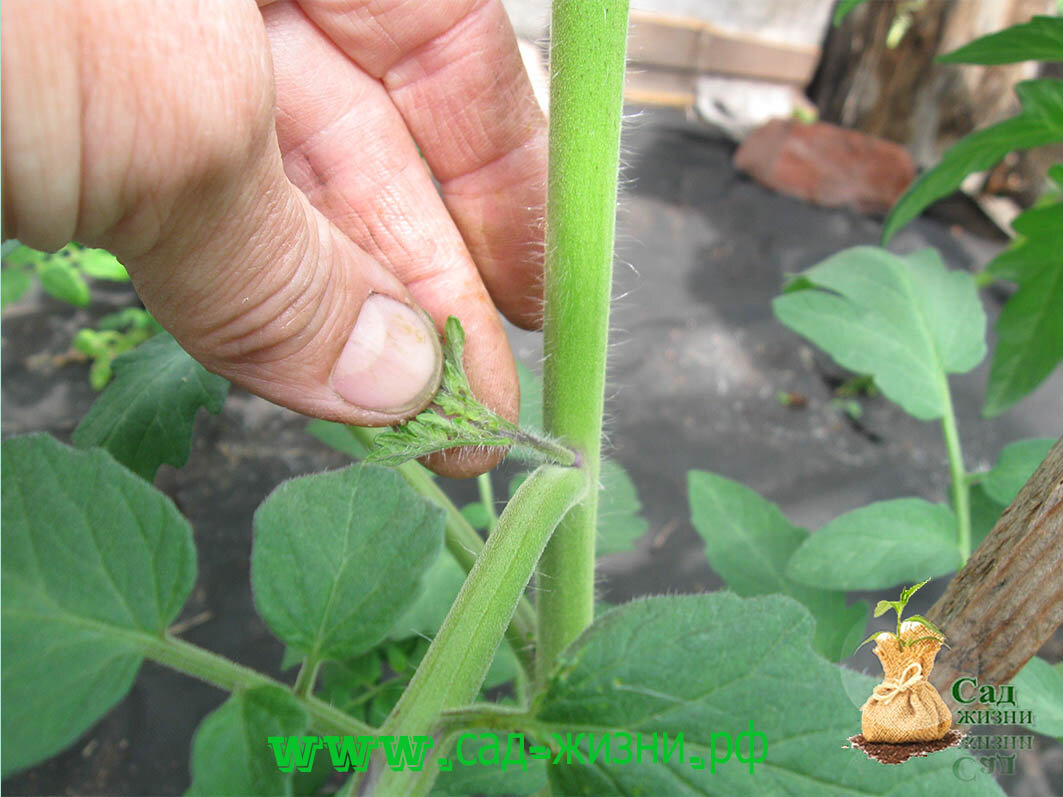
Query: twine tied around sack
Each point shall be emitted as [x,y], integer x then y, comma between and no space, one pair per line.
[890,689]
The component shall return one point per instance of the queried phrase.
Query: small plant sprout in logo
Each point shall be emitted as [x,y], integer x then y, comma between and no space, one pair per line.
[898,606]
[905,716]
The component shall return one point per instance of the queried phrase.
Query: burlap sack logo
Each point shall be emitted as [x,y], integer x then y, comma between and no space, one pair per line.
[904,715]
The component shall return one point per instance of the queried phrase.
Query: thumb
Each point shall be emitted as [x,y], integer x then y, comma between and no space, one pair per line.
[274,298]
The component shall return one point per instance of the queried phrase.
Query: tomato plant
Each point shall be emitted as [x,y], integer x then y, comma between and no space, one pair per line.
[348,568]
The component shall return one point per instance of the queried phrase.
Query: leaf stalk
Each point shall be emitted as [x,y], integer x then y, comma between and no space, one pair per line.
[961,497]
[453,669]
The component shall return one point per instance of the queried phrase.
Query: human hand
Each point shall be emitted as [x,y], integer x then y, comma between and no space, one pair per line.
[257,171]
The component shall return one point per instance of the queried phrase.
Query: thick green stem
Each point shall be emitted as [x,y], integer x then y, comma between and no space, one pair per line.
[961,500]
[453,669]
[588,42]
[225,674]
[464,545]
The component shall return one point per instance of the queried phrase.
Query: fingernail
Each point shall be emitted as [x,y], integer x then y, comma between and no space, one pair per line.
[392,361]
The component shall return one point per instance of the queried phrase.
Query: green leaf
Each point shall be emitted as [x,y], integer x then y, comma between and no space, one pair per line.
[477,515]
[879,546]
[1039,123]
[1040,39]
[868,639]
[101,264]
[884,606]
[748,542]
[94,562]
[230,751]
[118,333]
[144,417]
[717,664]
[1015,465]
[60,279]
[441,584]
[338,436]
[907,321]
[74,259]
[130,318]
[291,658]
[310,784]
[1055,174]
[620,520]
[100,373]
[1030,328]
[22,255]
[90,342]
[1039,689]
[842,10]
[908,592]
[338,558]
[14,282]
[985,512]
[1036,246]
[354,674]
[349,685]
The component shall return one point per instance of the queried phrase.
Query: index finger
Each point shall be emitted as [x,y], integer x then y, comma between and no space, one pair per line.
[453,70]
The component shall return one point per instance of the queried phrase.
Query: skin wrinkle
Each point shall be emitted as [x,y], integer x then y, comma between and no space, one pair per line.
[471,141]
[452,187]
[374,27]
[241,335]
[383,227]
[211,299]
[304,287]
[423,79]
[377,191]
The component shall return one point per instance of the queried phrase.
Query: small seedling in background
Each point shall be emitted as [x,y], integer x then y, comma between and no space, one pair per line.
[61,274]
[850,407]
[115,334]
[795,401]
[860,385]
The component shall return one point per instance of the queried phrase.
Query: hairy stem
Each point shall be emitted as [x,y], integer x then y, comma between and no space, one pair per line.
[961,496]
[453,669]
[230,676]
[588,41]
